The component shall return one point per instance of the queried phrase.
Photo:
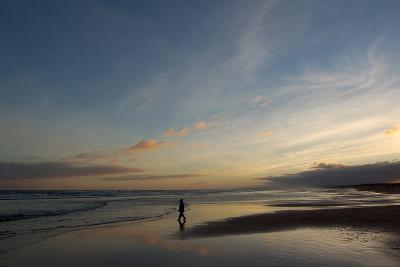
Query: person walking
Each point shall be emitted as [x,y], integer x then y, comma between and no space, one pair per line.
[181,210]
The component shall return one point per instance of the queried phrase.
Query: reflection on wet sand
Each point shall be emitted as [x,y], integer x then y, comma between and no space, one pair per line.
[154,243]
[385,218]
[181,225]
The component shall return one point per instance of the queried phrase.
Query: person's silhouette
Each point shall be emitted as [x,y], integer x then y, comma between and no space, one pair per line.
[181,210]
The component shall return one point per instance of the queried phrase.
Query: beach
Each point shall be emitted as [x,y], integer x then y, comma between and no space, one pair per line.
[239,233]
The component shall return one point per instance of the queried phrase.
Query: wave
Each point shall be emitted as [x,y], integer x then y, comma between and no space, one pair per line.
[39,234]
[113,221]
[55,194]
[46,213]
[62,194]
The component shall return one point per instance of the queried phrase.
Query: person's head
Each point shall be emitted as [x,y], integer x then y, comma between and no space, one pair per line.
[181,200]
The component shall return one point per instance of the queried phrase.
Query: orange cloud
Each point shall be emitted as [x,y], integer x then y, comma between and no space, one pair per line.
[203,125]
[172,132]
[392,130]
[145,145]
[264,134]
[117,155]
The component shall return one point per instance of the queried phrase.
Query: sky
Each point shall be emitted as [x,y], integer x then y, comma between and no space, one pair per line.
[195,94]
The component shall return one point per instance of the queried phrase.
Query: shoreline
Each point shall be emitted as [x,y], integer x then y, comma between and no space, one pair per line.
[386,188]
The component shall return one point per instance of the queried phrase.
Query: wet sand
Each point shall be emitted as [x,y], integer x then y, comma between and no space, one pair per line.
[380,218]
[256,235]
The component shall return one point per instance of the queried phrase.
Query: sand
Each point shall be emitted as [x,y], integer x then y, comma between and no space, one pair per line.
[381,218]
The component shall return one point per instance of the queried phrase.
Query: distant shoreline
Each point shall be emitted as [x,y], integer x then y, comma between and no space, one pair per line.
[387,188]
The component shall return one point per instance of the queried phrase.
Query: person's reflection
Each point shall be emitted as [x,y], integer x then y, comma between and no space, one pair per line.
[181,225]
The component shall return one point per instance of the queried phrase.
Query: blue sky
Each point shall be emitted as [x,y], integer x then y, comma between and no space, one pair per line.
[226,91]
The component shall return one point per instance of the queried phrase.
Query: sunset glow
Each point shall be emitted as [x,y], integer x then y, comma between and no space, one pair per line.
[203,95]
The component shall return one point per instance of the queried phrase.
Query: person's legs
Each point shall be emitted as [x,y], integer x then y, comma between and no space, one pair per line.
[181,215]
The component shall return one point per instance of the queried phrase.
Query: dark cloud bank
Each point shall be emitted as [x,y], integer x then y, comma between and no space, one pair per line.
[47,170]
[61,169]
[330,174]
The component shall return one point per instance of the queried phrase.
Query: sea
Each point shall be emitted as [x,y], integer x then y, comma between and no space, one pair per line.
[27,217]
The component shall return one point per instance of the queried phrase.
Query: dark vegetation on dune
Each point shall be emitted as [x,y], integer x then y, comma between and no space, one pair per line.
[389,188]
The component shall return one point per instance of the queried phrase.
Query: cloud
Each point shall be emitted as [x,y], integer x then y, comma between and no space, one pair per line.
[253,47]
[328,165]
[145,145]
[58,169]
[394,130]
[155,177]
[264,134]
[172,132]
[199,125]
[203,125]
[331,174]
[256,99]
[126,154]
[265,104]
[259,101]
[117,154]
[89,156]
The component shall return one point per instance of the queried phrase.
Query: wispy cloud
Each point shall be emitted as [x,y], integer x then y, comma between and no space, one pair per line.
[127,154]
[366,73]
[252,46]
[393,130]
[89,156]
[55,169]
[256,99]
[204,125]
[146,145]
[336,131]
[199,125]
[338,111]
[173,132]
[265,134]
[260,101]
